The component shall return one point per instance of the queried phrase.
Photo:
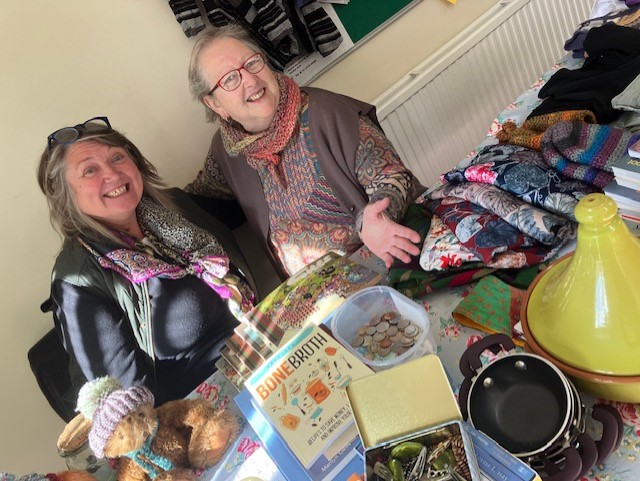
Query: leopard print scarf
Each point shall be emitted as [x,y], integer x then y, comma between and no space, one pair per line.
[184,248]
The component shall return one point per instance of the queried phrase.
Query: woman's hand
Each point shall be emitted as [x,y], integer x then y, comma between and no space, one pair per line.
[385,238]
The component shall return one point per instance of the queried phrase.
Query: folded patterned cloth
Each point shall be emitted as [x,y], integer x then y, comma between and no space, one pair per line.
[536,223]
[523,173]
[530,133]
[492,306]
[442,250]
[412,281]
[585,152]
[486,234]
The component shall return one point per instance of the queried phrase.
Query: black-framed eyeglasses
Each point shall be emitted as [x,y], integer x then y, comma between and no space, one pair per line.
[68,135]
[232,79]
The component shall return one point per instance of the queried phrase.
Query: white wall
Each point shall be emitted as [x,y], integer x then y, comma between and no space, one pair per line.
[63,62]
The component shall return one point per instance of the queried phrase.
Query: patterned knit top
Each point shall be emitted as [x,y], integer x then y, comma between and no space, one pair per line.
[306,219]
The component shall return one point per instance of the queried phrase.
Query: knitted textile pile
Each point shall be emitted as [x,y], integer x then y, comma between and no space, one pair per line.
[585,152]
[530,133]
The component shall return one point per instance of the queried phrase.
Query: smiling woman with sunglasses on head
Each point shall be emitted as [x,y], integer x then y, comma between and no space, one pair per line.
[312,169]
[142,290]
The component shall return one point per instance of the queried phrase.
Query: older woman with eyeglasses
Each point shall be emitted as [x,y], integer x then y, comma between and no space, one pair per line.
[312,169]
[142,290]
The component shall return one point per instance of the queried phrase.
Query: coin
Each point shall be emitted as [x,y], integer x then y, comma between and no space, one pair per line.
[367,340]
[397,337]
[378,336]
[392,330]
[371,330]
[374,322]
[389,316]
[383,326]
[362,330]
[386,342]
[411,330]
[407,341]
[357,341]
[402,324]
[384,351]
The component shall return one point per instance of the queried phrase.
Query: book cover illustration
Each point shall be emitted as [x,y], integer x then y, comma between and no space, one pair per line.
[634,149]
[330,466]
[309,296]
[301,389]
[627,167]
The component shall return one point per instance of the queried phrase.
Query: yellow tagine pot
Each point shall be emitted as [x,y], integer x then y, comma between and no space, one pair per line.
[584,310]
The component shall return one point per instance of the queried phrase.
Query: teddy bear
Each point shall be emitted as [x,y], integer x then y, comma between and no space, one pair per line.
[153,444]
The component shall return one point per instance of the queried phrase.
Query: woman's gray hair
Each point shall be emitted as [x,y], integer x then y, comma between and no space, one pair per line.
[66,217]
[199,84]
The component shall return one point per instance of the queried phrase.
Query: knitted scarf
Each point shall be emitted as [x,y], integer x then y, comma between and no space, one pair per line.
[265,147]
[151,463]
[530,133]
[584,152]
[184,248]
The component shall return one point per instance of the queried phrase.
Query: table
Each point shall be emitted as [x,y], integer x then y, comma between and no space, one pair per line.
[246,458]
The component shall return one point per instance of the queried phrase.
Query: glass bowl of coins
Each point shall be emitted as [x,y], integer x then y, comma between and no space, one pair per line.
[383,327]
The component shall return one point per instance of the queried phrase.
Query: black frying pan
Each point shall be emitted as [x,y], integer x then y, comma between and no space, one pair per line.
[520,400]
[574,460]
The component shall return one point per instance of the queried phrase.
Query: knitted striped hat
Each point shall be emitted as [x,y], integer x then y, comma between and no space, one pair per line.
[106,403]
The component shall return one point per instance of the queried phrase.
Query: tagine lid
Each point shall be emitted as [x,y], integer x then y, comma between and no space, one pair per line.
[584,309]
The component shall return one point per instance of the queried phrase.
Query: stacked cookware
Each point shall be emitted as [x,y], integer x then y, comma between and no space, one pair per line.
[529,407]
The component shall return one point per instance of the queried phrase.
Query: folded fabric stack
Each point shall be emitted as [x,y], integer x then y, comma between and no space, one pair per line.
[510,205]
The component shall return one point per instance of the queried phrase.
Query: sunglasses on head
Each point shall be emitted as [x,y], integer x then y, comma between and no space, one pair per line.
[68,135]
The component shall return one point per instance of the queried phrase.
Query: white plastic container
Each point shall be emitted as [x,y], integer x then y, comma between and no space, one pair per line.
[371,303]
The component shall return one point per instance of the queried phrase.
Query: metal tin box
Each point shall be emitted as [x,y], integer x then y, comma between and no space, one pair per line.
[404,409]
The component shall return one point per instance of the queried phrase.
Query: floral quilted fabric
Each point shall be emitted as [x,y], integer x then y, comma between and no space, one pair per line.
[539,224]
[523,173]
[486,234]
[442,249]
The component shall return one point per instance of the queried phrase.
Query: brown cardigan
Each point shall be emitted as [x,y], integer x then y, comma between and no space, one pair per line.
[333,120]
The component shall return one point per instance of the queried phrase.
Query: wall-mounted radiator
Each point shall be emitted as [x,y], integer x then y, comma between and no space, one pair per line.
[443,108]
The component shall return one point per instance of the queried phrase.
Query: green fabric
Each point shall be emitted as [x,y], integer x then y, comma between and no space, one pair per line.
[416,282]
[492,306]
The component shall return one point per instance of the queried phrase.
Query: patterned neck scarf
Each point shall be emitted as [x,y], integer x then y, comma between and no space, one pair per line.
[185,249]
[266,146]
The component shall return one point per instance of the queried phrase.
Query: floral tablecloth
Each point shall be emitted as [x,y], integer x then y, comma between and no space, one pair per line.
[246,460]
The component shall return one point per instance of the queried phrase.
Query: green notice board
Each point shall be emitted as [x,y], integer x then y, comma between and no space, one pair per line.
[362,17]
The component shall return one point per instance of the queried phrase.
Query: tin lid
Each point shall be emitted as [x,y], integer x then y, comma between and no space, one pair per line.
[407,398]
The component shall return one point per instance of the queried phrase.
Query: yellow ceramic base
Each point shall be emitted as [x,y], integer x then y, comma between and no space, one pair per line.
[585,309]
